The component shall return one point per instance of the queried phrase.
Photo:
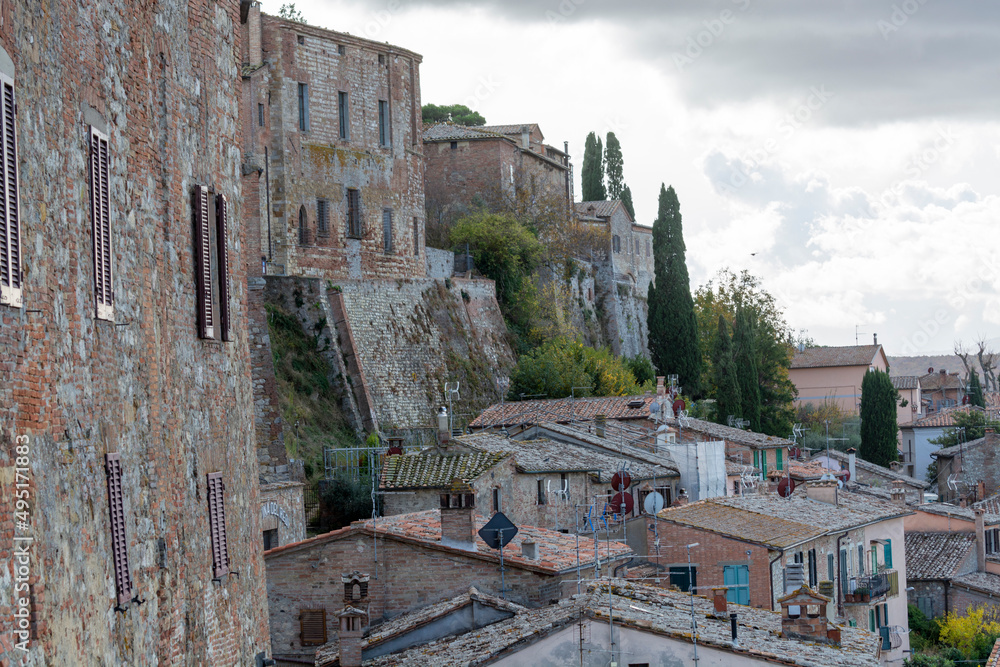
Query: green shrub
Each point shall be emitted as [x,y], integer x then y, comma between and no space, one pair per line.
[562,367]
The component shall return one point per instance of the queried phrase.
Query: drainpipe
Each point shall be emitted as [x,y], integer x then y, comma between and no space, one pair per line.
[770,572]
[840,589]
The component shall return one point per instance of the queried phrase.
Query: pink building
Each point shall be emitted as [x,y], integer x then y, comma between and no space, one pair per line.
[822,374]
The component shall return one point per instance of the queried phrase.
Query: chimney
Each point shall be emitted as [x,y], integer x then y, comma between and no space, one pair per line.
[529,549]
[444,427]
[719,600]
[823,490]
[351,624]
[980,539]
[852,456]
[732,629]
[803,616]
[661,387]
[525,136]
[253,41]
[599,423]
[898,496]
[681,499]
[458,516]
[874,339]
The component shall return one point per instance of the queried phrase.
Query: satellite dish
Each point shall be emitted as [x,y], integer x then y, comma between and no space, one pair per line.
[498,531]
[679,405]
[786,486]
[847,475]
[654,407]
[621,481]
[653,503]
[621,503]
[794,452]
[840,483]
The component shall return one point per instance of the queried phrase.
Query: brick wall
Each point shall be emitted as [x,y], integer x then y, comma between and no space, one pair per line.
[164,79]
[281,508]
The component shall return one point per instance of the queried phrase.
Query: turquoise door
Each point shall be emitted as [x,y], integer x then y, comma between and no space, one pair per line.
[737,578]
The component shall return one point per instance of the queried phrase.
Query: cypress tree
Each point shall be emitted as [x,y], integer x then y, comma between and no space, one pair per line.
[627,201]
[747,368]
[976,391]
[727,387]
[878,419]
[614,165]
[673,329]
[592,176]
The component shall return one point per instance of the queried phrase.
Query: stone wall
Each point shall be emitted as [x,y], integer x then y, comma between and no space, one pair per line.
[281,509]
[440,263]
[163,79]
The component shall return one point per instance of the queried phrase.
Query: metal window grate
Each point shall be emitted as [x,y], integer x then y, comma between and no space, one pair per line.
[312,627]
[353,213]
[416,236]
[10,229]
[217,522]
[119,540]
[387,230]
[100,218]
[323,217]
[203,263]
[221,225]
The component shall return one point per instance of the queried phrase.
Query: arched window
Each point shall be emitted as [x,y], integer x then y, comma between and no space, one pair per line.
[303,226]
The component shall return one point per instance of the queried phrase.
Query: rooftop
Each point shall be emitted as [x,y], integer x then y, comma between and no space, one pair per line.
[946,417]
[453,132]
[562,410]
[873,469]
[516,128]
[730,434]
[955,450]
[826,357]
[650,610]
[956,512]
[905,381]
[556,551]
[940,380]
[414,471]
[936,555]
[987,582]
[600,209]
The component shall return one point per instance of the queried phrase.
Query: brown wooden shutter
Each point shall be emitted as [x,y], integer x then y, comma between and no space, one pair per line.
[221,224]
[119,540]
[203,262]
[100,216]
[217,523]
[10,218]
[312,627]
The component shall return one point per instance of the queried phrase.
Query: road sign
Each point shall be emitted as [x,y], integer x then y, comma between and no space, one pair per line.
[498,531]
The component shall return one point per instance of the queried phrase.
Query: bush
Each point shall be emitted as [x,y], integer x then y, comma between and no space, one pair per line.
[343,501]
[560,365]
[641,367]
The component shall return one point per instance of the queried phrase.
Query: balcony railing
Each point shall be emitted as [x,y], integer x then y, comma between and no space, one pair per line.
[884,583]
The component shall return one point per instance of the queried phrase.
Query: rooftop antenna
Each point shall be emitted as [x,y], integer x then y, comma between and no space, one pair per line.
[857,333]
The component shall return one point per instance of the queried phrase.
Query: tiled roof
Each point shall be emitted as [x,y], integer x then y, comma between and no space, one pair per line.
[936,381]
[825,357]
[806,470]
[991,504]
[994,659]
[453,132]
[946,417]
[544,455]
[781,522]
[905,381]
[936,555]
[412,471]
[511,129]
[561,410]
[650,610]
[913,497]
[730,434]
[602,208]
[955,450]
[987,582]
[865,470]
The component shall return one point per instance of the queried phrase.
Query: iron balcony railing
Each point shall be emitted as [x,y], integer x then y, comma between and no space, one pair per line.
[884,583]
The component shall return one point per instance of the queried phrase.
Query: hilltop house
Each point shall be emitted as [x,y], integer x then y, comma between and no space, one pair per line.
[910,406]
[940,390]
[834,374]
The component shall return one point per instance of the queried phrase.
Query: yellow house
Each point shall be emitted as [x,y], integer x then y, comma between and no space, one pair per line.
[834,373]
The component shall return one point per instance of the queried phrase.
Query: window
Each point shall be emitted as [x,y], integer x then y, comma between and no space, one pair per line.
[829,567]
[301,39]
[844,583]
[416,236]
[323,217]
[496,499]
[616,243]
[887,554]
[541,492]
[564,484]
[756,459]
[270,539]
[260,114]
[387,231]
[381,59]
[304,107]
[454,145]
[342,111]
[217,524]
[303,226]
[353,214]
[779,459]
[211,264]
[763,461]
[383,123]
[119,541]
[737,578]
[341,49]
[10,216]
[861,559]
[312,627]
[813,567]
[100,219]
[684,577]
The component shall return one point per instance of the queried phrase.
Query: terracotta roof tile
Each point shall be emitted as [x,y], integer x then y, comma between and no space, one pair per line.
[987,582]
[936,381]
[453,132]
[730,434]
[825,357]
[601,209]
[562,410]
[946,417]
[955,450]
[936,555]
[413,471]
[905,381]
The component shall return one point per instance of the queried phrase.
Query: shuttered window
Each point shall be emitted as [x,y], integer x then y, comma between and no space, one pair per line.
[222,263]
[203,263]
[353,213]
[342,115]
[416,237]
[10,217]
[312,627]
[100,218]
[217,523]
[304,107]
[303,226]
[119,540]
[387,230]
[323,217]
[383,123]
[887,555]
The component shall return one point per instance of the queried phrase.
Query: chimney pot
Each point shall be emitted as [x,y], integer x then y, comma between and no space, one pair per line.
[458,517]
[529,549]
[733,627]
[823,490]
[875,339]
[719,599]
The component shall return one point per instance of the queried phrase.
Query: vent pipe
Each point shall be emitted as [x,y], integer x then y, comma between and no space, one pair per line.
[732,628]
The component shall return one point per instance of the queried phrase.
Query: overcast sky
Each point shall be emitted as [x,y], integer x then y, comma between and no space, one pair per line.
[845,152]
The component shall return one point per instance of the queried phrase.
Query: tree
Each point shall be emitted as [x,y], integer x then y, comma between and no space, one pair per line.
[878,419]
[976,390]
[745,361]
[627,201]
[456,113]
[641,367]
[727,388]
[723,295]
[290,13]
[563,367]
[592,176]
[614,165]
[673,329]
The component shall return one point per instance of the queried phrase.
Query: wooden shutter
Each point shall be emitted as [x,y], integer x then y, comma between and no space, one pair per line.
[217,523]
[203,263]
[119,541]
[887,554]
[100,218]
[221,225]
[312,627]
[10,215]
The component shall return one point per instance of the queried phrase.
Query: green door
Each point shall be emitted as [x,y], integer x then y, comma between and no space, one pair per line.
[737,578]
[684,578]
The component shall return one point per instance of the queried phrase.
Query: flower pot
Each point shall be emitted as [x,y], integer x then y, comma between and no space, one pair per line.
[866,597]
[849,597]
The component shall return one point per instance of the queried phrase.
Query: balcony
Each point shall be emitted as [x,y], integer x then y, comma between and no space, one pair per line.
[881,584]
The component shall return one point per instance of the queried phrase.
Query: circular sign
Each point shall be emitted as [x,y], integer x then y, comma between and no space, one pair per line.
[621,481]
[621,503]
[786,486]
[678,406]
[653,503]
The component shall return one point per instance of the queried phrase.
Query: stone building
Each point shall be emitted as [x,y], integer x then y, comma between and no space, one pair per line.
[126,414]
[332,132]
[631,250]
[969,471]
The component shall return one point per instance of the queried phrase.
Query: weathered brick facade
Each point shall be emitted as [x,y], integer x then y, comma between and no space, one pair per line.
[309,157]
[162,81]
